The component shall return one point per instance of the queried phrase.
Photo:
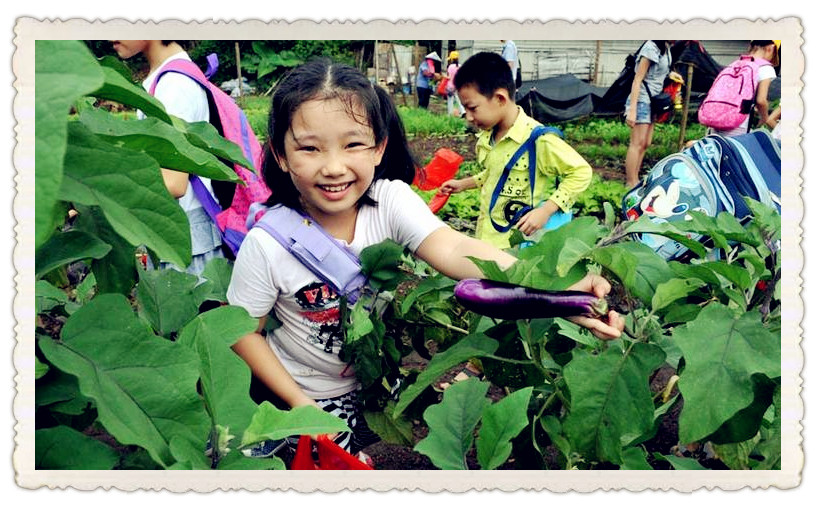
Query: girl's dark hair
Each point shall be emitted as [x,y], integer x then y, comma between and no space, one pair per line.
[323,79]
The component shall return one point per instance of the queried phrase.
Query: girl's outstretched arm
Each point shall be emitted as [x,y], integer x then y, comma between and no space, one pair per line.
[448,250]
[265,365]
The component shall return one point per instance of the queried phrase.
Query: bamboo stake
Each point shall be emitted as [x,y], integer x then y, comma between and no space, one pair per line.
[686,103]
[400,76]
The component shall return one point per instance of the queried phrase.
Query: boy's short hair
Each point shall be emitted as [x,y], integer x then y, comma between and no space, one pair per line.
[487,72]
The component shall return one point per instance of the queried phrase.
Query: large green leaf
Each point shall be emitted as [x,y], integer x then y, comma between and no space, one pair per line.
[390,429]
[472,346]
[204,135]
[116,271]
[224,376]
[62,448]
[119,89]
[672,290]
[587,230]
[380,264]
[166,299]
[235,460]
[144,387]
[452,424]
[47,296]
[610,399]
[680,463]
[63,72]
[722,352]
[271,423]
[217,273]
[67,247]
[167,145]
[128,187]
[637,266]
[501,422]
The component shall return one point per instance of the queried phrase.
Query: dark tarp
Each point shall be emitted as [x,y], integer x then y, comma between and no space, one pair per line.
[560,98]
[566,97]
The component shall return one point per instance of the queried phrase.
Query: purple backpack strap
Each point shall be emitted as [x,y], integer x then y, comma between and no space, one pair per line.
[316,249]
[192,71]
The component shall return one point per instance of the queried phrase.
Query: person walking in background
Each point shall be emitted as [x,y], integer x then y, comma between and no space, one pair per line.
[739,89]
[426,74]
[487,91]
[510,55]
[452,100]
[652,64]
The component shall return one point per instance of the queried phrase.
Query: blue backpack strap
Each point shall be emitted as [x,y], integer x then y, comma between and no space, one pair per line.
[529,147]
[316,249]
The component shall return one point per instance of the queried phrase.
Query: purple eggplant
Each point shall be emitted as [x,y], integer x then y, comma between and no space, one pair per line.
[506,301]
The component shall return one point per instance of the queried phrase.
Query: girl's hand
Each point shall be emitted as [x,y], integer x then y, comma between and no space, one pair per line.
[607,328]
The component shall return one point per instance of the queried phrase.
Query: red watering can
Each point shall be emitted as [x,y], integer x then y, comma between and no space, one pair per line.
[330,456]
[442,167]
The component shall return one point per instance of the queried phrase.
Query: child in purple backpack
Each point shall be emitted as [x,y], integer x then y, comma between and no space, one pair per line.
[184,98]
[337,153]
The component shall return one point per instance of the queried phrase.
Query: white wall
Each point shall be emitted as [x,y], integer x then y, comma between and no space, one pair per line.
[544,58]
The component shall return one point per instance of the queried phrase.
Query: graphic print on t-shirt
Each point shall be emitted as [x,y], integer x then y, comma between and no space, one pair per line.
[321,314]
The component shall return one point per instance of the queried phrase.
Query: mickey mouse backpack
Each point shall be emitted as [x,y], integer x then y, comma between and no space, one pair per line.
[712,176]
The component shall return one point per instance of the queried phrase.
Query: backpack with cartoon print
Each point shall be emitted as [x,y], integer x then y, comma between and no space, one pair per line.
[712,176]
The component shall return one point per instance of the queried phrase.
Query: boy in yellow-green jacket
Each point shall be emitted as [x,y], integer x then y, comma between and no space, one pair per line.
[487,91]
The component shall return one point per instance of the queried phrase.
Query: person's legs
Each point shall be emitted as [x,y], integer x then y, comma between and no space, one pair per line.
[641,135]
[423,97]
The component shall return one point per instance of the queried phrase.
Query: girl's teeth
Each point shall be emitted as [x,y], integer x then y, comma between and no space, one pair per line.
[334,188]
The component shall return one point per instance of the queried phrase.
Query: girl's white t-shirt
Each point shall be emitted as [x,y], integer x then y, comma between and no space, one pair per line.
[267,277]
[184,98]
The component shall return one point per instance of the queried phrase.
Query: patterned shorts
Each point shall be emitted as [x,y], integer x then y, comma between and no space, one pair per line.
[348,408]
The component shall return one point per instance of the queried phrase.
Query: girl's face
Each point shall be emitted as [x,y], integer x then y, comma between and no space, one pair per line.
[127,48]
[331,155]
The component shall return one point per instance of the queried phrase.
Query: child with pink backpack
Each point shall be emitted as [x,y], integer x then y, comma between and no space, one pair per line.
[217,218]
[739,88]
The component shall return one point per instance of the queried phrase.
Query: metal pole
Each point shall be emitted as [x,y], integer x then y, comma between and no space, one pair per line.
[238,68]
[684,122]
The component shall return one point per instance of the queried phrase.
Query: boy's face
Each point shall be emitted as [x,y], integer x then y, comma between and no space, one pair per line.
[127,48]
[481,111]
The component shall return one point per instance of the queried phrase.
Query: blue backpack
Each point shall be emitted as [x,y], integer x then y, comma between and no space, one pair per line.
[527,147]
[710,177]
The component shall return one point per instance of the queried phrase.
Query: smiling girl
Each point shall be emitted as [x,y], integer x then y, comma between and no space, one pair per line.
[337,153]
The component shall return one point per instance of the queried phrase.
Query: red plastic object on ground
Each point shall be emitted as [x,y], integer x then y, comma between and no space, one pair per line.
[330,456]
[442,167]
[438,201]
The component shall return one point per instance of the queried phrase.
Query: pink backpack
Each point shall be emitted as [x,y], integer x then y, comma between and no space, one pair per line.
[732,95]
[233,126]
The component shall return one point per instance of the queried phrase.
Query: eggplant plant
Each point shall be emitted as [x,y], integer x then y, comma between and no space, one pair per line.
[132,372]
[713,326]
